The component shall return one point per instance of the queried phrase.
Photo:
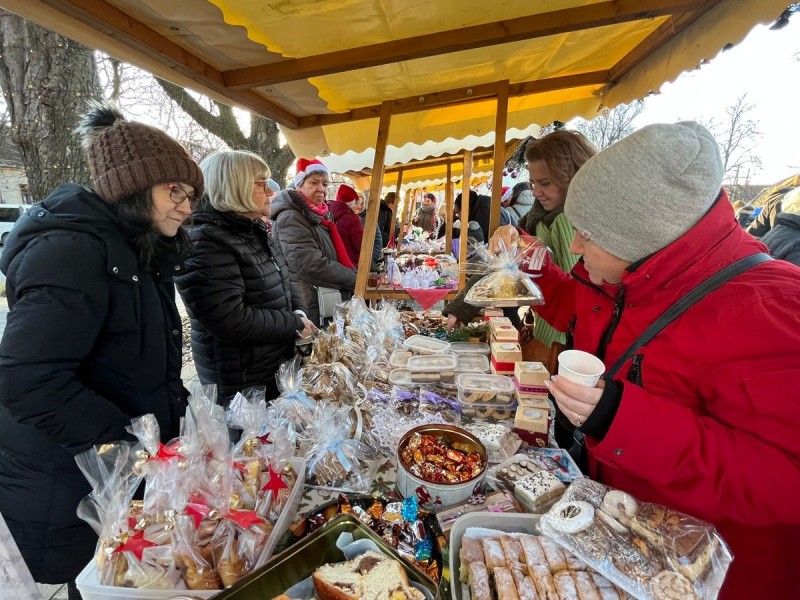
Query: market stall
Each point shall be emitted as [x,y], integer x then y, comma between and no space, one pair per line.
[387,433]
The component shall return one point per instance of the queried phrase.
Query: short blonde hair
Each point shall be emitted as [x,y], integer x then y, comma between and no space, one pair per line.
[229,177]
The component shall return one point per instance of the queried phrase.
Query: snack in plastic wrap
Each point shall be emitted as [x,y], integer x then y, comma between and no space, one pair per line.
[505,285]
[335,460]
[652,552]
[109,468]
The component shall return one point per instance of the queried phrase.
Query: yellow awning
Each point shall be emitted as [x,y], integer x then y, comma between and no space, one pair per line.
[321,69]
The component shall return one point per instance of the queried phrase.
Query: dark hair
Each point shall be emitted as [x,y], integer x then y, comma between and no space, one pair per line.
[430,196]
[390,197]
[564,152]
[134,213]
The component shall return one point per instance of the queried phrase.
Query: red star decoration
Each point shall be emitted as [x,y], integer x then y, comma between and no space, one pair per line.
[167,452]
[275,483]
[136,544]
[197,511]
[244,518]
[264,439]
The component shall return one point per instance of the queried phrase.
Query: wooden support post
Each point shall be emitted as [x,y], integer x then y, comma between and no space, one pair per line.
[365,260]
[448,212]
[395,208]
[464,215]
[501,123]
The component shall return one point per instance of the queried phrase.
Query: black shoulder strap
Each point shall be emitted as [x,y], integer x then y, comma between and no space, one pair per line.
[689,300]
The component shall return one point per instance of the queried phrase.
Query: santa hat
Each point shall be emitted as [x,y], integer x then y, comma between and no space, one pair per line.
[506,193]
[346,194]
[306,167]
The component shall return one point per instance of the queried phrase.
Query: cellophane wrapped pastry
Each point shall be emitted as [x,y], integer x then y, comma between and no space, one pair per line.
[505,284]
[337,459]
[293,404]
[109,468]
[651,551]
[209,507]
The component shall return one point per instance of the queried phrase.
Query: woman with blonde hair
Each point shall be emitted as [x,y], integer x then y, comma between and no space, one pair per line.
[245,314]
[552,163]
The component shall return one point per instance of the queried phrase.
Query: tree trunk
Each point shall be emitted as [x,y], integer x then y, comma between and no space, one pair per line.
[46,80]
[264,137]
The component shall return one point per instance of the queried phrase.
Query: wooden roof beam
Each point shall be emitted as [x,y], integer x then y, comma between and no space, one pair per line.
[656,39]
[456,40]
[458,96]
[108,20]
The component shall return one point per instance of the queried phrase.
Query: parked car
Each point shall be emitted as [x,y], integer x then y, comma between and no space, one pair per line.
[9,214]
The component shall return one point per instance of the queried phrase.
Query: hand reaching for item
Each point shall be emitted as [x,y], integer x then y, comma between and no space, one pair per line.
[308,329]
[452,323]
[576,401]
[504,238]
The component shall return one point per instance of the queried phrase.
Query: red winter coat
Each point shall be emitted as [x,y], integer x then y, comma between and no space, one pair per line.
[350,229]
[712,426]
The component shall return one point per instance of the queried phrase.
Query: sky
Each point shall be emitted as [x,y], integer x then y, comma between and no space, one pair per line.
[765,66]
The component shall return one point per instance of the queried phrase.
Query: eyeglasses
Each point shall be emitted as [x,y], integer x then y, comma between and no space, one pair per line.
[262,184]
[179,195]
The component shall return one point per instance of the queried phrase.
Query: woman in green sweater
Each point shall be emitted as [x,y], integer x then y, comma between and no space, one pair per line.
[552,163]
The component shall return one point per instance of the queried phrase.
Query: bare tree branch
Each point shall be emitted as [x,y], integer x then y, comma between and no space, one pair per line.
[612,125]
[221,127]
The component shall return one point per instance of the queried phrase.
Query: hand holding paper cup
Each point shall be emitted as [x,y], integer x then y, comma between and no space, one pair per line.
[581,367]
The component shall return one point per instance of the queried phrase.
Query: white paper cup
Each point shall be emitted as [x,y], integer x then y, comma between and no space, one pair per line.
[581,367]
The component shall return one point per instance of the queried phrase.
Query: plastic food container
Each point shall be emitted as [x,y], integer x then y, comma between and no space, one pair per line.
[470,348]
[448,493]
[401,378]
[421,344]
[399,358]
[472,363]
[433,368]
[486,396]
[90,588]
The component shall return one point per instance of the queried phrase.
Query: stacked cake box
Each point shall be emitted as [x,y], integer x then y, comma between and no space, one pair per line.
[502,330]
[504,356]
[532,420]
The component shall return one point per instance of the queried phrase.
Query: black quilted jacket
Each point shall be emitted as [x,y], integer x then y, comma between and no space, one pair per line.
[237,292]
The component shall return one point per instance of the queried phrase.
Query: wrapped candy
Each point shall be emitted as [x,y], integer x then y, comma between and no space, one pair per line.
[505,284]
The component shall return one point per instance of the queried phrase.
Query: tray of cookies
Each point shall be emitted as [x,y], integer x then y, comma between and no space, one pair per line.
[398,359]
[651,551]
[500,556]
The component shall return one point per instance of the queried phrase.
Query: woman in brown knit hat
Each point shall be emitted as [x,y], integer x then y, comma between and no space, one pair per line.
[93,336]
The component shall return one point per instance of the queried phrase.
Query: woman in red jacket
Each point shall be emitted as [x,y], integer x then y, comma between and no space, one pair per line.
[348,223]
[704,418]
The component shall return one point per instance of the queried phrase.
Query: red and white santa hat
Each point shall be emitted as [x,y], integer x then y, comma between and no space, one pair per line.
[346,194]
[305,167]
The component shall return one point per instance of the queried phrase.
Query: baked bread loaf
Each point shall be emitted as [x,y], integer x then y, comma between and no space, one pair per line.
[371,576]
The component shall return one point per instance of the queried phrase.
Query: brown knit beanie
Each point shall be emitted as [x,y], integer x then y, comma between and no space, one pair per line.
[126,157]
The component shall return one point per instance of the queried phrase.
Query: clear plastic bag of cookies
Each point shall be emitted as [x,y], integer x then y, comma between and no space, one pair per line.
[651,551]
[504,284]
[109,468]
[335,459]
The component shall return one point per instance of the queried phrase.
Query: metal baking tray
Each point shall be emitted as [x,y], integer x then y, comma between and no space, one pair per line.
[298,562]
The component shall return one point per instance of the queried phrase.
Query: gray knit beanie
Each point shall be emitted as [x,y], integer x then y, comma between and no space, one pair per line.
[644,192]
[126,157]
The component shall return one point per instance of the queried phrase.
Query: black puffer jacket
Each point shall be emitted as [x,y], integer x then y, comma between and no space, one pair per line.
[237,292]
[783,240]
[90,342]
